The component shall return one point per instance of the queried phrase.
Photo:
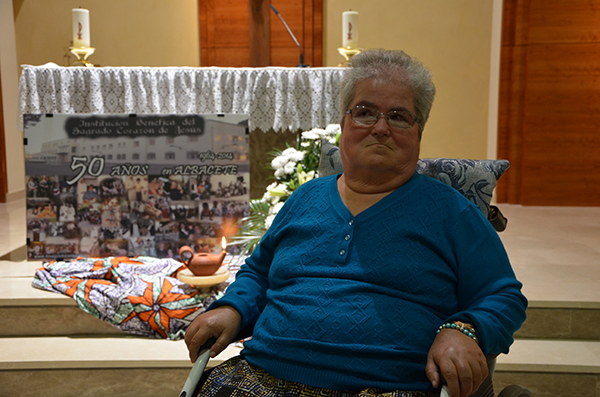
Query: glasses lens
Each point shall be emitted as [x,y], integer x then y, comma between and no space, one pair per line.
[401,119]
[364,115]
[396,118]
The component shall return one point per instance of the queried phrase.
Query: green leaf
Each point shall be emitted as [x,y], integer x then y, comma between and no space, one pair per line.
[252,227]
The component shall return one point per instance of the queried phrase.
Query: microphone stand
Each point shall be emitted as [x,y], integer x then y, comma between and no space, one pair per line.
[301,65]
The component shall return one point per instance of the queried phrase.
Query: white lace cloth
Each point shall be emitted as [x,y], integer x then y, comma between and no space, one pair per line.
[277,98]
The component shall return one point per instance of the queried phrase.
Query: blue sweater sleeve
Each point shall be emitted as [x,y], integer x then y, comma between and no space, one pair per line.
[248,293]
[489,295]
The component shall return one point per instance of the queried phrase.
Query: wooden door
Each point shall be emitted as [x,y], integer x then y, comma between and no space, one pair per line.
[241,33]
[549,115]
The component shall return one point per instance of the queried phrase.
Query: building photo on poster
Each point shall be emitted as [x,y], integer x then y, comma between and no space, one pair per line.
[130,185]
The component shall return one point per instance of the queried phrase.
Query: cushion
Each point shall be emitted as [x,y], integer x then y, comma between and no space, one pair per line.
[475,179]
[330,161]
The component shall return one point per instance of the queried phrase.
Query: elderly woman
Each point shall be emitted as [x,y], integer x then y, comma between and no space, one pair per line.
[364,281]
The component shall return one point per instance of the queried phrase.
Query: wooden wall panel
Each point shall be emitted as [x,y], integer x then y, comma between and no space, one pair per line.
[513,79]
[561,146]
[564,21]
[305,20]
[550,103]
[229,30]
[286,56]
[224,33]
[293,13]
[313,32]
[510,124]
[259,32]
[284,51]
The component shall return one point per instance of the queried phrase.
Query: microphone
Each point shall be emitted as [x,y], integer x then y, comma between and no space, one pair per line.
[301,65]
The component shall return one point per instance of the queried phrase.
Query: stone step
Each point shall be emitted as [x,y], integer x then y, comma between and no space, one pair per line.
[122,366]
[561,320]
[128,366]
[40,313]
[27,311]
[551,368]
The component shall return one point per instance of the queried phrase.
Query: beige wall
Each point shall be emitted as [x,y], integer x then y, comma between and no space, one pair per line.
[124,33]
[453,39]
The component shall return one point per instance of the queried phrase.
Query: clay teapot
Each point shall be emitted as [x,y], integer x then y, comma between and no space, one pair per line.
[202,263]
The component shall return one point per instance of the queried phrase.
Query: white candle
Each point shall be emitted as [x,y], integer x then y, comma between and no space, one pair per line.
[350,29]
[81,27]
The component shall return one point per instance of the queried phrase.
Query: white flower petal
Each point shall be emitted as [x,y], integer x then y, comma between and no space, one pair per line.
[312,135]
[279,173]
[290,167]
[289,151]
[333,129]
[298,156]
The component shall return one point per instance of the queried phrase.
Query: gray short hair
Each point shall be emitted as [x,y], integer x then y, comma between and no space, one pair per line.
[388,64]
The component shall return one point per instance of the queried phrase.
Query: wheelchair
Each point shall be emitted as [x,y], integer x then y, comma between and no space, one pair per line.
[197,377]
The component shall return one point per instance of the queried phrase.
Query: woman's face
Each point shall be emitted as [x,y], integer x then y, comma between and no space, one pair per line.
[377,147]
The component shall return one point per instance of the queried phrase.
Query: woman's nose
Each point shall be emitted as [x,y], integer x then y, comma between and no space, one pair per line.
[381,126]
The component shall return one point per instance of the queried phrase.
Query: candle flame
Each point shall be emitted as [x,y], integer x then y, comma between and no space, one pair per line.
[223,243]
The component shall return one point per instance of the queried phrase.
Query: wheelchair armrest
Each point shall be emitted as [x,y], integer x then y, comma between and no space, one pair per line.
[497,219]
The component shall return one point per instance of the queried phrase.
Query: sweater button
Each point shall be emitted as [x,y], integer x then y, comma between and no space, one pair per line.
[351,222]
[342,252]
[347,237]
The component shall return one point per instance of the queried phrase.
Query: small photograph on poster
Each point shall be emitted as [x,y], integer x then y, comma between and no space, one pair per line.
[87,192]
[90,237]
[131,185]
[37,229]
[41,208]
[113,247]
[89,214]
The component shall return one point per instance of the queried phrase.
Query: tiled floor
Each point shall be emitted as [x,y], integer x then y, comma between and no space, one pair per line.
[555,251]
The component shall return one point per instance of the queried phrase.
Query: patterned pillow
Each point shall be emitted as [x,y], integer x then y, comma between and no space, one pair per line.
[330,161]
[475,179]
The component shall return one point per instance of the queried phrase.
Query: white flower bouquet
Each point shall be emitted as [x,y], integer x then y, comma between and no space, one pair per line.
[292,168]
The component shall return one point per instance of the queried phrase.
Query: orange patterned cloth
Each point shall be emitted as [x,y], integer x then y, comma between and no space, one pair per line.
[140,295]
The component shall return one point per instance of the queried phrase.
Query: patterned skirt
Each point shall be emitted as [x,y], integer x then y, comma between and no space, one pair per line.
[237,378]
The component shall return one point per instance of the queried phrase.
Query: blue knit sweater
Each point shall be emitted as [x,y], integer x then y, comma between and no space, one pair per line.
[350,302]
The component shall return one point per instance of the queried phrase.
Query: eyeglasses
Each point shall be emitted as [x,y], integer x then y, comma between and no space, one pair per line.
[369,116]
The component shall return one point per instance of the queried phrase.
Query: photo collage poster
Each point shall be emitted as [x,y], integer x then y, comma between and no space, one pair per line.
[130,185]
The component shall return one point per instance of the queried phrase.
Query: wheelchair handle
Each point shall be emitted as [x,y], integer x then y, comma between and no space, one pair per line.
[197,369]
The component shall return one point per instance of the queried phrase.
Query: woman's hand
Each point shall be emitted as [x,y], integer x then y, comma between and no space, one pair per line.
[459,360]
[222,323]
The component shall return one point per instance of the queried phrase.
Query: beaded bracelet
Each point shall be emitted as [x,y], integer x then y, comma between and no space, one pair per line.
[465,328]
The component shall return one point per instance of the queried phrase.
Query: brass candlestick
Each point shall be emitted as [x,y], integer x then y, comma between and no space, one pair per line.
[348,53]
[82,54]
